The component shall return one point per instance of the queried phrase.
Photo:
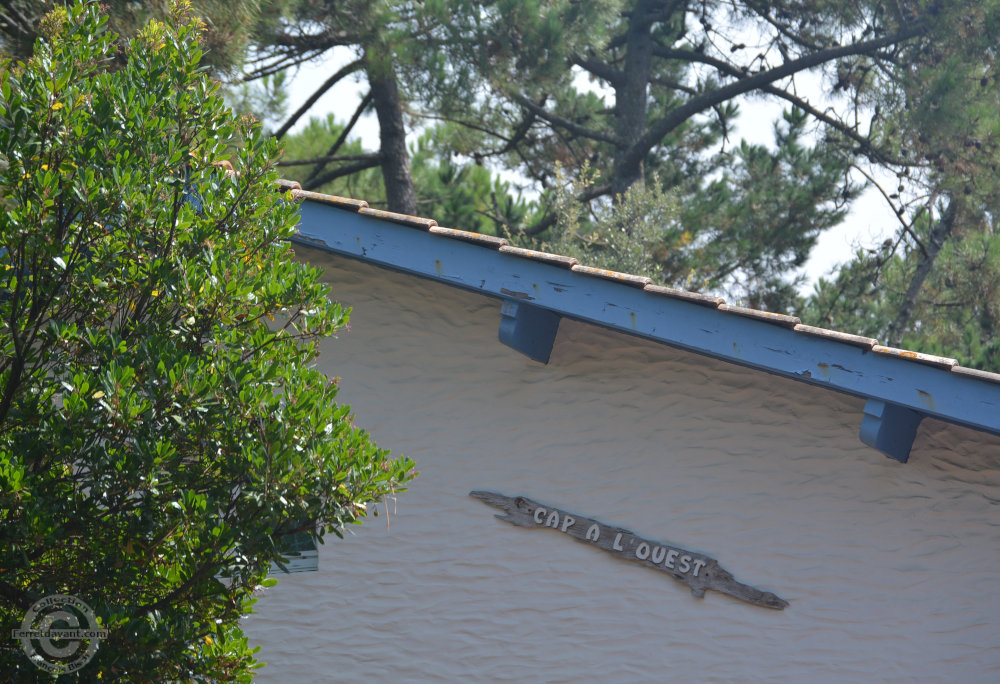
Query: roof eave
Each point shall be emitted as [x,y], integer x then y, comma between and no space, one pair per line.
[911,385]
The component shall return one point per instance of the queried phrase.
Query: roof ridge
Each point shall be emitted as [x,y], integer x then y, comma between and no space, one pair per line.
[635,281]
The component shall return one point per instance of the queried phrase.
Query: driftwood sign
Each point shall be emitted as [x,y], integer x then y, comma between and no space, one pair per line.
[693,569]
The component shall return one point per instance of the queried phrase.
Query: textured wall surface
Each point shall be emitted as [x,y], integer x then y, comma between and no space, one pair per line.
[890,569]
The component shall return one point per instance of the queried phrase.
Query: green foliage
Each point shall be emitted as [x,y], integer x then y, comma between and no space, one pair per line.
[226,24]
[265,99]
[932,289]
[162,427]
[459,194]
[463,194]
[756,224]
[312,142]
[631,236]
[911,87]
[956,312]
[739,234]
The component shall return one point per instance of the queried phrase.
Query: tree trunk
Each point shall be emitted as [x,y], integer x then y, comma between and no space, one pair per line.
[395,158]
[632,98]
[939,235]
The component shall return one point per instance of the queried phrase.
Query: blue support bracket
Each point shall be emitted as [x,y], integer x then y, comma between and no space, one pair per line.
[890,428]
[528,329]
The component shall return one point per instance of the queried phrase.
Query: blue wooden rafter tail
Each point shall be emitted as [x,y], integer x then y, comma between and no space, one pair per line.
[890,428]
[528,329]
[539,293]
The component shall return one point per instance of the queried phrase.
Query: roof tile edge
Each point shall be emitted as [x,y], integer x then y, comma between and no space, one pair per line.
[614,276]
[847,338]
[546,257]
[332,200]
[976,373]
[402,219]
[919,357]
[766,316]
[490,241]
[693,297]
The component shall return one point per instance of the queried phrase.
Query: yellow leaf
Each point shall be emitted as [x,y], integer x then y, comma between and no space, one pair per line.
[155,293]
[45,167]
[97,395]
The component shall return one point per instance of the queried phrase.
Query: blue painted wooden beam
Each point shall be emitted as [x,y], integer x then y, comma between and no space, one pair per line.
[528,329]
[818,361]
[889,428]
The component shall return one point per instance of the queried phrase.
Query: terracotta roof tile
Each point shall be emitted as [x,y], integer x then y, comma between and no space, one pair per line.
[466,236]
[976,373]
[694,297]
[929,359]
[625,278]
[776,318]
[554,259]
[403,219]
[856,340]
[339,202]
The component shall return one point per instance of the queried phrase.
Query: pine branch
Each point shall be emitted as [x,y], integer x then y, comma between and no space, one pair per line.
[907,227]
[760,81]
[314,182]
[939,235]
[329,83]
[365,101]
[550,218]
[868,147]
[599,69]
[281,63]
[570,126]
[327,159]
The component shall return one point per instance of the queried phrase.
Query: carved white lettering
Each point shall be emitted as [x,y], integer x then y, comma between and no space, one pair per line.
[685,565]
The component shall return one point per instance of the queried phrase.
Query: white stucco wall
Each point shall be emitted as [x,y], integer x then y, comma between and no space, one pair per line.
[890,569]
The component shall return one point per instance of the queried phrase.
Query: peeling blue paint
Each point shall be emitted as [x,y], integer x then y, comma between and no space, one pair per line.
[926,399]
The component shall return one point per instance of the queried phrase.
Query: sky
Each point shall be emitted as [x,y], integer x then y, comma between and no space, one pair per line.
[869,222]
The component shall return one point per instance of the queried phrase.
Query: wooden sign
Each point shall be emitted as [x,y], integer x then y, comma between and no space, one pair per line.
[693,569]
